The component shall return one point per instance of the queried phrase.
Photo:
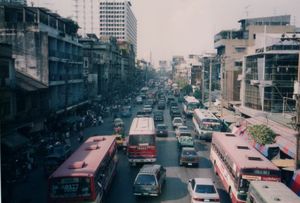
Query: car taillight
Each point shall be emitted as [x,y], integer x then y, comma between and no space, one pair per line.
[198,199]
[204,200]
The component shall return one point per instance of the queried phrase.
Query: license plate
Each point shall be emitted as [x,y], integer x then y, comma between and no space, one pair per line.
[160,131]
[206,200]
[189,164]
[145,193]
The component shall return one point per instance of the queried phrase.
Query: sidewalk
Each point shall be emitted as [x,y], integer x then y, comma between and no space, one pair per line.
[34,188]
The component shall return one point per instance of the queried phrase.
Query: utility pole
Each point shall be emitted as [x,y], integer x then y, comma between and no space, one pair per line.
[210,73]
[297,96]
[203,84]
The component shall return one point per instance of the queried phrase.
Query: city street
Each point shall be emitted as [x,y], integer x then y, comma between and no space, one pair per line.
[175,189]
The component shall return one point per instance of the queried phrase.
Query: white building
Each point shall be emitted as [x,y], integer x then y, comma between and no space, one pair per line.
[118,20]
[107,18]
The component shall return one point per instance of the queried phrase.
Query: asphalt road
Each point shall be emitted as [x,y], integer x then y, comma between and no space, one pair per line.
[175,189]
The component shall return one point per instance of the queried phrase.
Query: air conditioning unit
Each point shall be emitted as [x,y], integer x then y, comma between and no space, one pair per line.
[296,88]
[254,82]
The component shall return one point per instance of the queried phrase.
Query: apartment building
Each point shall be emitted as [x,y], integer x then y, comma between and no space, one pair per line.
[232,45]
[107,18]
[47,59]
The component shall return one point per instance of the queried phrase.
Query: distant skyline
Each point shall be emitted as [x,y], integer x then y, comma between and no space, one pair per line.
[182,27]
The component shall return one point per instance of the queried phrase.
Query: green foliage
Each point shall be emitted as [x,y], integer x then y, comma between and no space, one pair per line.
[181,83]
[187,89]
[197,94]
[262,134]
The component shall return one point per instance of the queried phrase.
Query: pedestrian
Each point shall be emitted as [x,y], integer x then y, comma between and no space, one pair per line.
[80,138]
[100,120]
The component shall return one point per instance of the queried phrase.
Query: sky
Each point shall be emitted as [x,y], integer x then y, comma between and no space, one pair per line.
[182,27]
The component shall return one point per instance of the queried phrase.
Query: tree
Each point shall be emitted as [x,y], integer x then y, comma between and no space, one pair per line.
[262,134]
[197,94]
[187,89]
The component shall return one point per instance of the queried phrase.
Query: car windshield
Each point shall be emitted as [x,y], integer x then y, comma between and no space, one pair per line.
[177,120]
[161,127]
[185,134]
[182,128]
[211,126]
[70,187]
[142,140]
[145,179]
[208,189]
[189,153]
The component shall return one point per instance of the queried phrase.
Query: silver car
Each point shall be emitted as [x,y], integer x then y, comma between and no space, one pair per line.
[149,181]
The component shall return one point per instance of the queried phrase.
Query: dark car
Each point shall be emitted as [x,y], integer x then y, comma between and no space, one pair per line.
[161,130]
[173,103]
[149,102]
[149,181]
[170,99]
[161,105]
[56,155]
[188,156]
[175,113]
[126,111]
[158,116]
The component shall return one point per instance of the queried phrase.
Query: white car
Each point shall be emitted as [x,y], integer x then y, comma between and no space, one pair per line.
[179,129]
[147,109]
[203,190]
[177,121]
[139,100]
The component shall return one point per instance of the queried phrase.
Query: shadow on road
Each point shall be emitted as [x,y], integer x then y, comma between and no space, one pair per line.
[200,145]
[223,196]
[205,163]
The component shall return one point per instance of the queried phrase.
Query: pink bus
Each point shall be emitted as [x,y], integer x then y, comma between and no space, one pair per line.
[86,175]
[238,163]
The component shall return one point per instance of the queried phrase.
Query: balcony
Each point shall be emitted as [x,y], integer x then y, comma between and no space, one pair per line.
[219,39]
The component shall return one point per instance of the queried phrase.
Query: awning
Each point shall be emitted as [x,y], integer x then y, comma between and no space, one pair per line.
[286,146]
[284,163]
[28,83]
[14,140]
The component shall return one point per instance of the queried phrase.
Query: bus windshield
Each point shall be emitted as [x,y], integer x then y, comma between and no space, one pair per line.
[211,126]
[70,187]
[192,106]
[142,140]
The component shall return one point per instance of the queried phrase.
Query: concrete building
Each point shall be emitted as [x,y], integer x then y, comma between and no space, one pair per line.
[46,55]
[86,14]
[127,66]
[22,2]
[232,45]
[107,18]
[269,74]
[176,63]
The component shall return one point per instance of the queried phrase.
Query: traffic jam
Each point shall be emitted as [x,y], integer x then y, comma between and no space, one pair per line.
[160,114]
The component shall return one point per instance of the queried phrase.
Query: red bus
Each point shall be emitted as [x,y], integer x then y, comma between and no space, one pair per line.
[237,163]
[86,175]
[141,145]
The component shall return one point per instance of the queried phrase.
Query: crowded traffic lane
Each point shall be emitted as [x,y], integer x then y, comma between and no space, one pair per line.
[175,189]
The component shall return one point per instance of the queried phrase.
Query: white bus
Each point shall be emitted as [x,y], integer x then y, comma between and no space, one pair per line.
[270,192]
[205,123]
[190,103]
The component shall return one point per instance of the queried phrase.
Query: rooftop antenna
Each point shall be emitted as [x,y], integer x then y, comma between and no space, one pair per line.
[247,10]
[274,11]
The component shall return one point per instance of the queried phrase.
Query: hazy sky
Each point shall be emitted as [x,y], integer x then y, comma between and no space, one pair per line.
[182,27]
